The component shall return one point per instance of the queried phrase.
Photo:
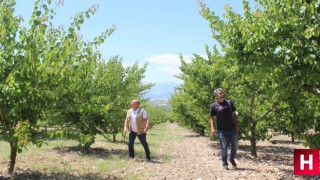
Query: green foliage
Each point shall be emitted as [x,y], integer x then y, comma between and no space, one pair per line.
[268,67]
[51,76]
[98,100]
[156,115]
[193,99]
[184,114]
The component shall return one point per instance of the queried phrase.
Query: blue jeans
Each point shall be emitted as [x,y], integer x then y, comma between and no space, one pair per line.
[226,137]
[143,140]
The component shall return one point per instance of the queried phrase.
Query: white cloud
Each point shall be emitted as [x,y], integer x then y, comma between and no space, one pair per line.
[169,63]
[168,59]
[171,70]
[128,64]
[204,56]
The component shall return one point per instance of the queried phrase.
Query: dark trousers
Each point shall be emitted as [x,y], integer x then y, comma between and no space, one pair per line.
[143,141]
[226,137]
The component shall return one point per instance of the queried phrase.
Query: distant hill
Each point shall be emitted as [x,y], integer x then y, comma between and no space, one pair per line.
[161,91]
[162,104]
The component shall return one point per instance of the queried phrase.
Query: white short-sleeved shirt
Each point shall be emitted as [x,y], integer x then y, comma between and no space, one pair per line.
[134,119]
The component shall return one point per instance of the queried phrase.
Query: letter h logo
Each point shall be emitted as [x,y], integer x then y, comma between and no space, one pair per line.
[306,162]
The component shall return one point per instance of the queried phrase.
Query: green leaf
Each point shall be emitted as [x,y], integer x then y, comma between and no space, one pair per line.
[36,22]
[38,13]
[45,7]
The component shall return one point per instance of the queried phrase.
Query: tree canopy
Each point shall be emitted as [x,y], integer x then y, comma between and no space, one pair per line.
[269,65]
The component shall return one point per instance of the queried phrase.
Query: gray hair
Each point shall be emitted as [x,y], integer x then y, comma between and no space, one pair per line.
[218,90]
[136,101]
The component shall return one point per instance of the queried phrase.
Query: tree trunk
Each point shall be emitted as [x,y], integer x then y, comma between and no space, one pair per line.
[202,131]
[292,137]
[114,137]
[13,156]
[253,140]
[253,126]
[87,147]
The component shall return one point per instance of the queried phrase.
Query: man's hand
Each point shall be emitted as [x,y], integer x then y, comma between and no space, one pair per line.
[238,129]
[213,132]
[145,129]
[125,129]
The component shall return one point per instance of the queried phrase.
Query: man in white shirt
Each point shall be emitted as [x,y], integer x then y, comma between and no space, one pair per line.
[137,122]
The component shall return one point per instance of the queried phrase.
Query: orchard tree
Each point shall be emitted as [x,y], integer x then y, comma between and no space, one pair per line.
[291,27]
[273,63]
[193,99]
[123,85]
[295,118]
[98,99]
[199,82]
[34,63]
[82,104]
[156,115]
[181,108]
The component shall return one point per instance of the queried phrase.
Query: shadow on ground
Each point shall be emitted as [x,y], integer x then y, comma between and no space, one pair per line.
[307,177]
[273,154]
[34,175]
[285,142]
[194,136]
[277,154]
[100,153]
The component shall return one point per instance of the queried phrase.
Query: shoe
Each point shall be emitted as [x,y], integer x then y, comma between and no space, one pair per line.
[149,160]
[234,164]
[225,168]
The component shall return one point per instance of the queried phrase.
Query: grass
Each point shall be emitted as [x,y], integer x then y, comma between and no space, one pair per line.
[62,159]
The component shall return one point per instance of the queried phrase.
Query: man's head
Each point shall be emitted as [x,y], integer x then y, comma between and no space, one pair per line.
[220,94]
[135,104]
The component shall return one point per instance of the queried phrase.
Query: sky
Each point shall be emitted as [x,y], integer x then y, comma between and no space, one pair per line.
[153,32]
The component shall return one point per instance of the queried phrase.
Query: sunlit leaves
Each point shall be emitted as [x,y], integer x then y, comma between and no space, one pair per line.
[282,39]
[270,55]
[37,71]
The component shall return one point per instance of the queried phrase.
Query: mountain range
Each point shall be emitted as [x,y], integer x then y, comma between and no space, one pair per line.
[161,91]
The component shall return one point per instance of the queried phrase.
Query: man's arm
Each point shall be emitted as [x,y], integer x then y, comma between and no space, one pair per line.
[147,125]
[212,114]
[212,125]
[146,118]
[235,121]
[234,115]
[125,129]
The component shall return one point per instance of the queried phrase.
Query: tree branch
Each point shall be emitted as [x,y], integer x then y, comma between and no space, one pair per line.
[3,118]
[251,107]
[310,89]
[269,111]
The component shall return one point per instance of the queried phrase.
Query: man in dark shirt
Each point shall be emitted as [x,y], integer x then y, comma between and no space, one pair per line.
[227,126]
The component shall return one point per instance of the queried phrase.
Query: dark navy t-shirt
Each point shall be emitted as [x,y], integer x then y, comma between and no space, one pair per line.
[224,114]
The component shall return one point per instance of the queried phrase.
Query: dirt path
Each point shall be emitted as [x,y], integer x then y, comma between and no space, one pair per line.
[177,153]
[193,157]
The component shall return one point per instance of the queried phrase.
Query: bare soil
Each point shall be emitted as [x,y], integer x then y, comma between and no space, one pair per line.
[178,153]
[195,157]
